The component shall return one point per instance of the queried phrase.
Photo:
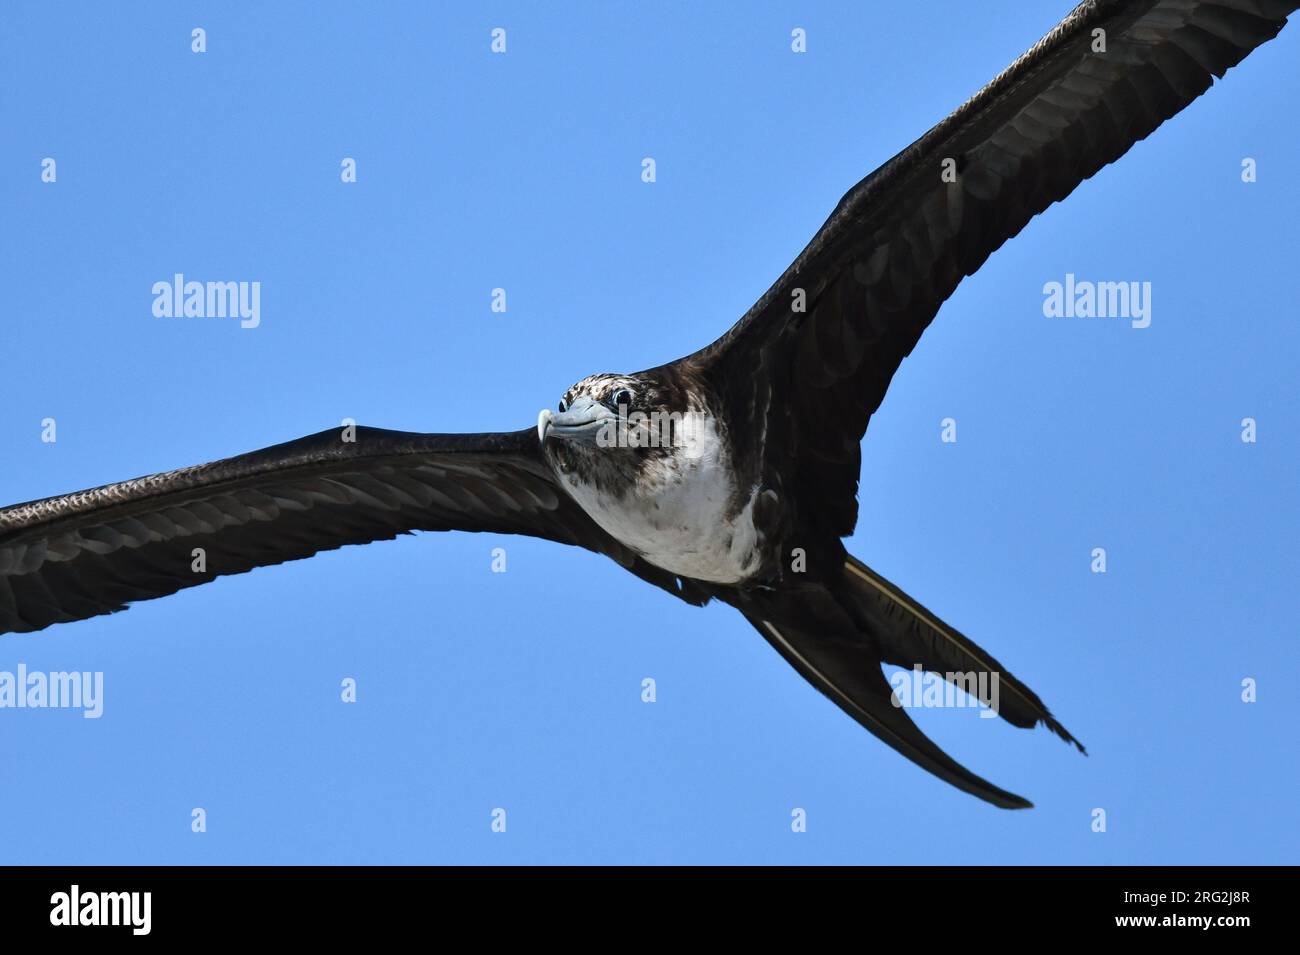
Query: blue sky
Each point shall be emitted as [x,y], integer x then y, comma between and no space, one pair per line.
[522,690]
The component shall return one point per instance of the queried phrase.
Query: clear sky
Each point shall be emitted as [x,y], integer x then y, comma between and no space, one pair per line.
[522,691]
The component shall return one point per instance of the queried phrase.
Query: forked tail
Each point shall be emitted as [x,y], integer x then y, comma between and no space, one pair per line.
[881,624]
[908,635]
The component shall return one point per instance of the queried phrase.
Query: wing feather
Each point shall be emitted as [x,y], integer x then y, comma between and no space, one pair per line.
[92,552]
[900,241]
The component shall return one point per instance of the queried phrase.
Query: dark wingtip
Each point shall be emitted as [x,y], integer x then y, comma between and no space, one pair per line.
[998,797]
[1050,722]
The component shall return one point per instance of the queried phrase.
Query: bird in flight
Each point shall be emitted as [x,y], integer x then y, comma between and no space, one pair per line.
[730,474]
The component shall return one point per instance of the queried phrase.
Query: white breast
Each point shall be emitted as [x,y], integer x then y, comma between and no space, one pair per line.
[679,518]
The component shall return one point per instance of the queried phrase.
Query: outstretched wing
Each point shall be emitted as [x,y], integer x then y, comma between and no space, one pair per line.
[899,242]
[92,552]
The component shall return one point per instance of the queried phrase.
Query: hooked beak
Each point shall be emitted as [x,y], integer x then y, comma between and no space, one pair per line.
[582,422]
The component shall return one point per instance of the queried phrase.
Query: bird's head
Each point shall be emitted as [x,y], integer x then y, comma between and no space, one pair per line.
[619,420]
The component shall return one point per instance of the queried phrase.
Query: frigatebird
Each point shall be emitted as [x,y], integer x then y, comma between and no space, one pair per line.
[731,473]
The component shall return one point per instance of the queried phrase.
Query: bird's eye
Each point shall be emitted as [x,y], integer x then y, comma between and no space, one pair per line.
[622,397]
[563,406]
